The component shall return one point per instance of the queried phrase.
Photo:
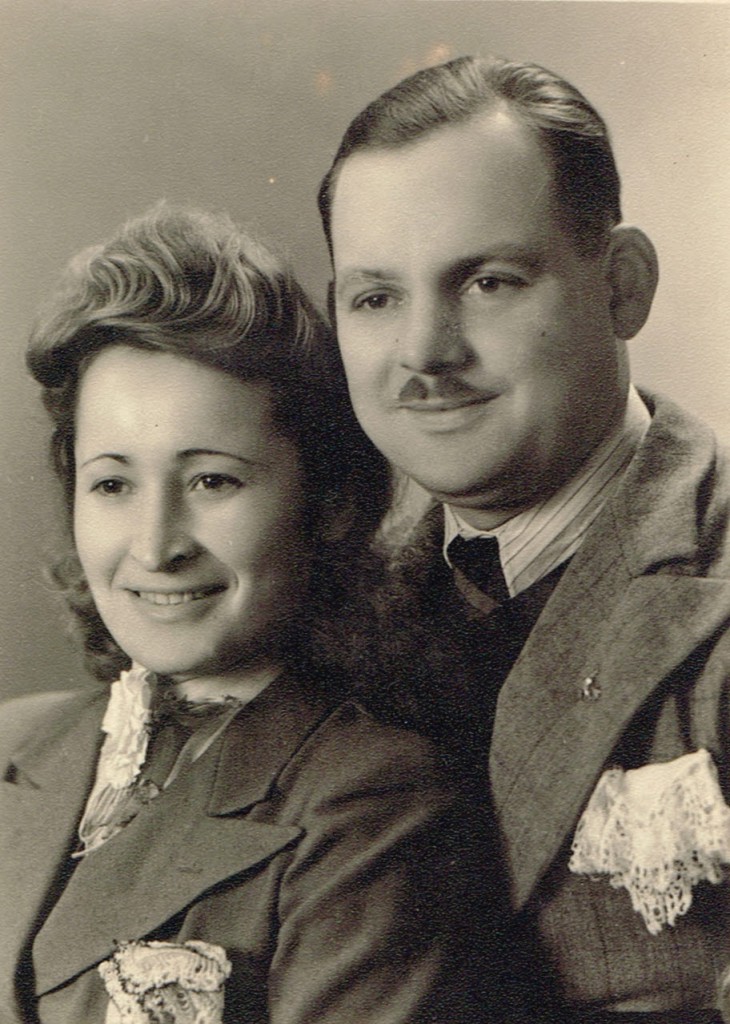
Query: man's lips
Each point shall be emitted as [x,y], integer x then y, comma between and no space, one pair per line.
[441,395]
[444,404]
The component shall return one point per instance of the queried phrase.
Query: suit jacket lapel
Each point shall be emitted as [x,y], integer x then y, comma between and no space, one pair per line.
[180,845]
[551,740]
[627,612]
[39,810]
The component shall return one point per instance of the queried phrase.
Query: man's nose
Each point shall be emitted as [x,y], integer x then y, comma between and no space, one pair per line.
[431,340]
[162,537]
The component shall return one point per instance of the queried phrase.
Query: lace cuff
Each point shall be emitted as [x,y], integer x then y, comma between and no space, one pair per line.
[165,981]
[656,831]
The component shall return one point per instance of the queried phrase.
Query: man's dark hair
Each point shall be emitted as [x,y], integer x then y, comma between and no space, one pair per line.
[572,134]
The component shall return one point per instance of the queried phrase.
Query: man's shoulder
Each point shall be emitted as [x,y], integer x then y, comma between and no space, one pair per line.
[676,427]
[677,488]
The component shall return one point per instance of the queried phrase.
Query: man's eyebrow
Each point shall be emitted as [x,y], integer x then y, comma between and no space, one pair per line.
[362,275]
[528,258]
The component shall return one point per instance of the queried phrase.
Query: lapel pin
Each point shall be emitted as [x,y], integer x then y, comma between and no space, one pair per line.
[590,689]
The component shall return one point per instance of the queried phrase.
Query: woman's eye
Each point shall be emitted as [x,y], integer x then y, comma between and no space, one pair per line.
[217,483]
[109,487]
[374,301]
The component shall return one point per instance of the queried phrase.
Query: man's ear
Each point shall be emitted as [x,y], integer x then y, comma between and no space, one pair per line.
[633,273]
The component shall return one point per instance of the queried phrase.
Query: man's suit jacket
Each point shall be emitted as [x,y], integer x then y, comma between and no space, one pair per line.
[643,610]
[325,852]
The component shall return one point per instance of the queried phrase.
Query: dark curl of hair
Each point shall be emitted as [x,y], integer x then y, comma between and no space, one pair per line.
[571,132]
[194,285]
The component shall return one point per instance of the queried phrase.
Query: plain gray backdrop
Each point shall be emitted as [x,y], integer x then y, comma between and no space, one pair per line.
[238,105]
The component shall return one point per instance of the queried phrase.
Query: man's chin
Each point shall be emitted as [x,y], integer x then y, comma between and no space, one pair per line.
[486,504]
[453,488]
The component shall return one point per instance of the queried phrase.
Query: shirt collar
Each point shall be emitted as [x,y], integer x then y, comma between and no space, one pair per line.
[541,538]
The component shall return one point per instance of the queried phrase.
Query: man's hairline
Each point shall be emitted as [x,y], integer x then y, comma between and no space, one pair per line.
[562,212]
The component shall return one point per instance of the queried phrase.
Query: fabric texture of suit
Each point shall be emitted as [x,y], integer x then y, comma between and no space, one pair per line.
[642,610]
[324,851]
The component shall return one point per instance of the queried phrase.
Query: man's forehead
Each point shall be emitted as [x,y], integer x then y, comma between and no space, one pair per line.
[495,137]
[463,189]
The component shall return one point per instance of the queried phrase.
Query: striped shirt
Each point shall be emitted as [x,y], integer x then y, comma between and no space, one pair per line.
[540,539]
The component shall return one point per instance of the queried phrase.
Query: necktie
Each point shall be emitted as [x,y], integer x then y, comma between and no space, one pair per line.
[478,559]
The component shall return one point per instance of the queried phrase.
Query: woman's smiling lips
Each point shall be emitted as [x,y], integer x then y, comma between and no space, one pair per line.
[164,598]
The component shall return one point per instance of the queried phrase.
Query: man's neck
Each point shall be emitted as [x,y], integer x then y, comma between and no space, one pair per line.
[533,541]
[486,516]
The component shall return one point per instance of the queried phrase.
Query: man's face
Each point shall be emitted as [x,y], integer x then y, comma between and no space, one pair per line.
[478,342]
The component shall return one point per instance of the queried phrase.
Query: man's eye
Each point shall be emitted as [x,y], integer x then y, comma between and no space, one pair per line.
[489,284]
[109,487]
[217,483]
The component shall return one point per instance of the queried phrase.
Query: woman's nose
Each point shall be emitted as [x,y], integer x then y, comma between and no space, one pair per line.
[431,340]
[162,538]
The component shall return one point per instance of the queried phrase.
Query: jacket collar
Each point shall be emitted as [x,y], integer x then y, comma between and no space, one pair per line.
[629,610]
[193,837]
[262,739]
[48,781]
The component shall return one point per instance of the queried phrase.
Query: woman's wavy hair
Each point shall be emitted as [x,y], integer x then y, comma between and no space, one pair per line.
[194,285]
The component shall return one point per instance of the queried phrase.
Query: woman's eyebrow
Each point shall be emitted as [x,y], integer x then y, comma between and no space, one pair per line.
[105,455]
[183,456]
[192,453]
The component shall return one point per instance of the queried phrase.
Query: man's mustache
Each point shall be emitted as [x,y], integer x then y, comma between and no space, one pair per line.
[416,389]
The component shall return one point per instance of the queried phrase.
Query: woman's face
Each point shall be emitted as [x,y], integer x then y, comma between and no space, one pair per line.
[188,513]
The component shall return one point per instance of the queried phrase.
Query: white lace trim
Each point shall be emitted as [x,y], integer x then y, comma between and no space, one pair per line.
[656,831]
[126,725]
[182,983]
[122,755]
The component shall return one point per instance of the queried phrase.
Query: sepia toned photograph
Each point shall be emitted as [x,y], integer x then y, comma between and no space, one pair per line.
[365,422]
